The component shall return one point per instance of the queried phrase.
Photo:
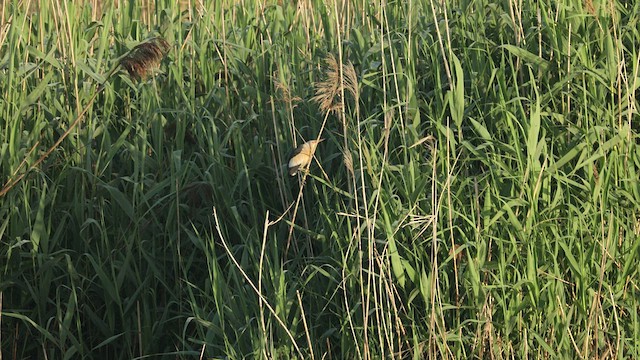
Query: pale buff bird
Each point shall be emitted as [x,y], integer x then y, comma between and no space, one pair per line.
[302,156]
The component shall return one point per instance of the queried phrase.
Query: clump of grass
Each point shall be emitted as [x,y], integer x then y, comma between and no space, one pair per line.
[141,60]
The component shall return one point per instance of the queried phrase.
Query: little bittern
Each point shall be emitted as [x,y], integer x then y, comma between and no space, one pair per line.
[302,155]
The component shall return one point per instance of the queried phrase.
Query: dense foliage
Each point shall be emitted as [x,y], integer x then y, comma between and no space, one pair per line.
[476,195]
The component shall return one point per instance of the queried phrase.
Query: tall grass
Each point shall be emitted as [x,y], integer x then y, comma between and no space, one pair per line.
[477,194]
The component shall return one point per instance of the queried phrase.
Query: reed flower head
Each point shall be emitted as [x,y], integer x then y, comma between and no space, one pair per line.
[329,91]
[145,57]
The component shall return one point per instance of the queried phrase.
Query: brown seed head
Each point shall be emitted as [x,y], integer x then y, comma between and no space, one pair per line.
[145,57]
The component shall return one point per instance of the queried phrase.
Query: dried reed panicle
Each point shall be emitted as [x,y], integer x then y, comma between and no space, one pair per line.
[388,119]
[286,94]
[329,89]
[588,4]
[351,81]
[328,92]
[145,57]
[348,162]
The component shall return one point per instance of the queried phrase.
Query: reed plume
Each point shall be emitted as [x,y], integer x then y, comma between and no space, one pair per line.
[145,57]
[329,91]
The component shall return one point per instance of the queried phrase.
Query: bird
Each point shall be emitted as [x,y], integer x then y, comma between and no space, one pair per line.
[302,155]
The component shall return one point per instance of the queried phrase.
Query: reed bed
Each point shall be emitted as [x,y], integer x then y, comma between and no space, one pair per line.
[476,194]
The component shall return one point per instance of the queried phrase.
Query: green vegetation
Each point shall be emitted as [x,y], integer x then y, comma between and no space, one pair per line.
[476,195]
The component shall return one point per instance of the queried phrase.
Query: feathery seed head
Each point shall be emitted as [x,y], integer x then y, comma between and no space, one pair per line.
[145,57]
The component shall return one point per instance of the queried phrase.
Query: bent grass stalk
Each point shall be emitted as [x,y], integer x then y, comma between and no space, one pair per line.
[253,286]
